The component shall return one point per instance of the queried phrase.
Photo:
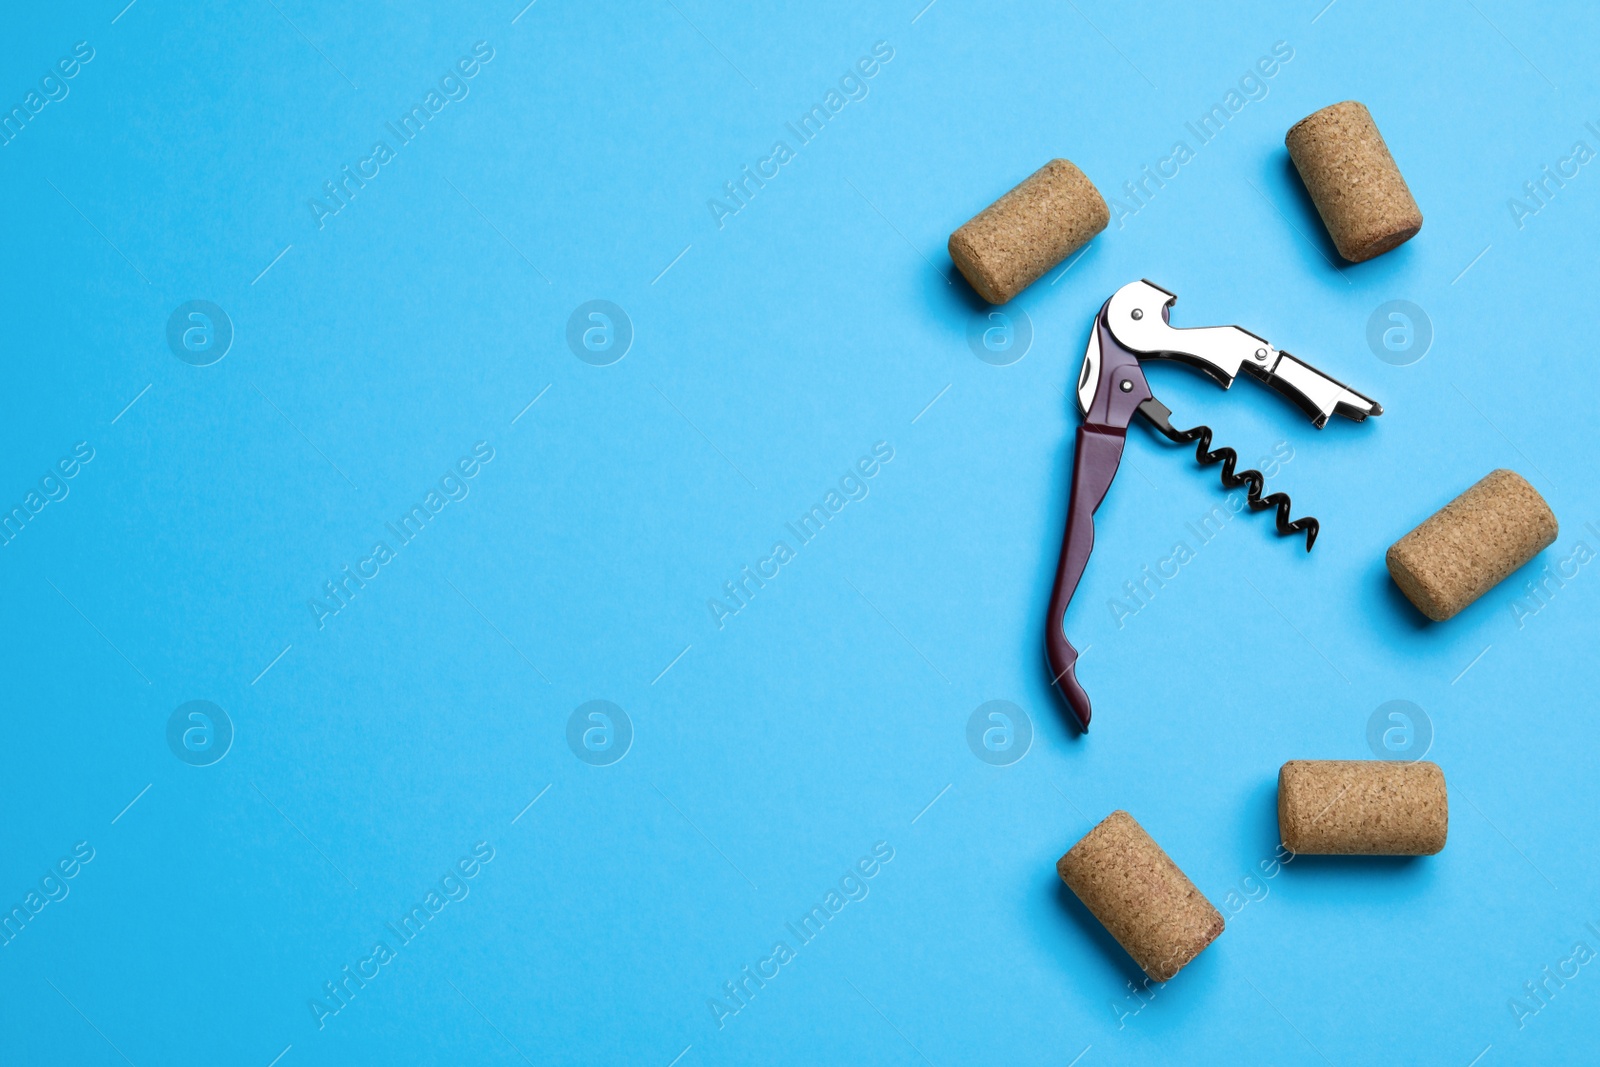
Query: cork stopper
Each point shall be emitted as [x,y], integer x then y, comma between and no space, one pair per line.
[1364,202]
[1334,807]
[1134,889]
[1012,243]
[1471,544]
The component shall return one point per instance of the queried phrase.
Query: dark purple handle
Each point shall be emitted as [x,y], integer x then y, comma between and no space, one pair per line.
[1119,390]
[1095,464]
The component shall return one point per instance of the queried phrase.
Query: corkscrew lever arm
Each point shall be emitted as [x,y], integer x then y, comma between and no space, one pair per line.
[1137,316]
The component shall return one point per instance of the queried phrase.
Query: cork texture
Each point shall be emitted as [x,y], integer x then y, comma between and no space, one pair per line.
[1359,192]
[1012,243]
[1362,808]
[1471,544]
[1139,895]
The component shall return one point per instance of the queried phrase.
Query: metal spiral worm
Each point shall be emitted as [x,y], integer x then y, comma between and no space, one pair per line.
[1160,416]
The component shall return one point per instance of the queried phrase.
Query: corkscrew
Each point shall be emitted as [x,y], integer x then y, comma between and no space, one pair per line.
[1132,326]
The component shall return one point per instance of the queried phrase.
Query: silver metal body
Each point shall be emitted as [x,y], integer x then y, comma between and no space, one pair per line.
[1136,316]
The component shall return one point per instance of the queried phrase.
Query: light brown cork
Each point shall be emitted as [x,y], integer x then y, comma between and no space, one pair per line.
[1471,544]
[1134,889]
[1364,202]
[1012,243]
[1336,807]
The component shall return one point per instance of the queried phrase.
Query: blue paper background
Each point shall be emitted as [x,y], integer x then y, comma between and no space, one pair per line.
[771,352]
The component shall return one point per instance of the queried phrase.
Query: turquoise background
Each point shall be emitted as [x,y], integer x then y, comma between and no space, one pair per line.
[374,752]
